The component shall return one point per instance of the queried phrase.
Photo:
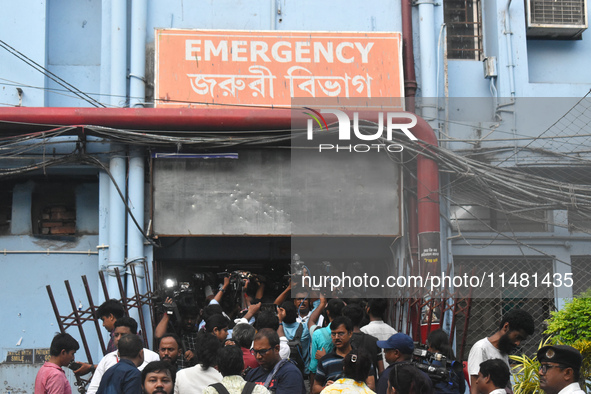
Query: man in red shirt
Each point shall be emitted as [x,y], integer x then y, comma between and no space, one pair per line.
[51,378]
[243,335]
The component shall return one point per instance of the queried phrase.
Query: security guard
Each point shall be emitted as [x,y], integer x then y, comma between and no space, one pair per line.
[559,370]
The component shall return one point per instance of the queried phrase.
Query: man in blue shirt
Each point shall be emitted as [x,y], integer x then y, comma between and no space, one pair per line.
[124,377]
[288,314]
[397,349]
[277,375]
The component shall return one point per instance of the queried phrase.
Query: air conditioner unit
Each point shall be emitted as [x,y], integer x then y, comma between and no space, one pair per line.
[558,19]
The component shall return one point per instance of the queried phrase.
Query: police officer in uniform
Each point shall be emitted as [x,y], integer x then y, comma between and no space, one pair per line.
[559,370]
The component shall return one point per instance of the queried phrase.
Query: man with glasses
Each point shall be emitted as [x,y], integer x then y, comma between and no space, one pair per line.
[560,369]
[330,367]
[277,375]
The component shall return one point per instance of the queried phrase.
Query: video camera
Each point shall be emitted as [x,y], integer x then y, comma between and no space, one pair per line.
[185,295]
[436,365]
[238,278]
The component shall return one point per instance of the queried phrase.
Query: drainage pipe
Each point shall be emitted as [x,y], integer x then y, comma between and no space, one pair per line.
[118,53]
[137,66]
[116,219]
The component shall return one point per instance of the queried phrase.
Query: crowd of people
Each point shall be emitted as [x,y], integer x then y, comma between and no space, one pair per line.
[301,345]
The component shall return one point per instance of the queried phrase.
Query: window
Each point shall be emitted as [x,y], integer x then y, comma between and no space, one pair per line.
[463,19]
[5,208]
[54,209]
[474,209]
[578,221]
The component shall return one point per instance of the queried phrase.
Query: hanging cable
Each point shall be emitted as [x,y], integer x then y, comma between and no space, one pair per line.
[51,75]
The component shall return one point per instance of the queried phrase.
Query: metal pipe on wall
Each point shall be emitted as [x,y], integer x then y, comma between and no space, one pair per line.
[509,38]
[118,53]
[103,236]
[117,168]
[410,89]
[137,66]
[135,239]
[135,200]
[427,50]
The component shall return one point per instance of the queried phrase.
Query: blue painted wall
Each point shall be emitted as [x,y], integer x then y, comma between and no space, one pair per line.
[543,68]
[71,38]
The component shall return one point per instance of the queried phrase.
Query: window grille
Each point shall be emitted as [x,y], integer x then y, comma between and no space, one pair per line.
[463,19]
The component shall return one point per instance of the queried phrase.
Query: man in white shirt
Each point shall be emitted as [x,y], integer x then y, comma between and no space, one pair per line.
[493,377]
[515,327]
[123,326]
[376,309]
[560,369]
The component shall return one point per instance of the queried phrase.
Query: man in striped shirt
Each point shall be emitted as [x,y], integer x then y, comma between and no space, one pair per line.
[330,367]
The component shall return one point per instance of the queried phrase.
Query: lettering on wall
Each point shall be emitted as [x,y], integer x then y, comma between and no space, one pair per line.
[198,67]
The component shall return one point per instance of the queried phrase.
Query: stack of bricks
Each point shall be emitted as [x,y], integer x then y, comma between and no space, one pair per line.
[58,220]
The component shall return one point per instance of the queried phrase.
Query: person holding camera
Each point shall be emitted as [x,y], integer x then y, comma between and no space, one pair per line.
[405,378]
[437,342]
[187,332]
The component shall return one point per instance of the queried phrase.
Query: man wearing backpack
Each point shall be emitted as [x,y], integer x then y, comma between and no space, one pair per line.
[297,334]
[278,375]
[230,365]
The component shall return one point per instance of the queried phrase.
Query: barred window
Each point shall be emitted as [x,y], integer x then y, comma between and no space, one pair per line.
[463,19]
[473,209]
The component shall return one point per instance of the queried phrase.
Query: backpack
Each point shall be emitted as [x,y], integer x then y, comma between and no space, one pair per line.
[296,353]
[221,389]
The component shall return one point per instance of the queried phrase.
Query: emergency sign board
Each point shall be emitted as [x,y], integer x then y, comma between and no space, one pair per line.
[269,68]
